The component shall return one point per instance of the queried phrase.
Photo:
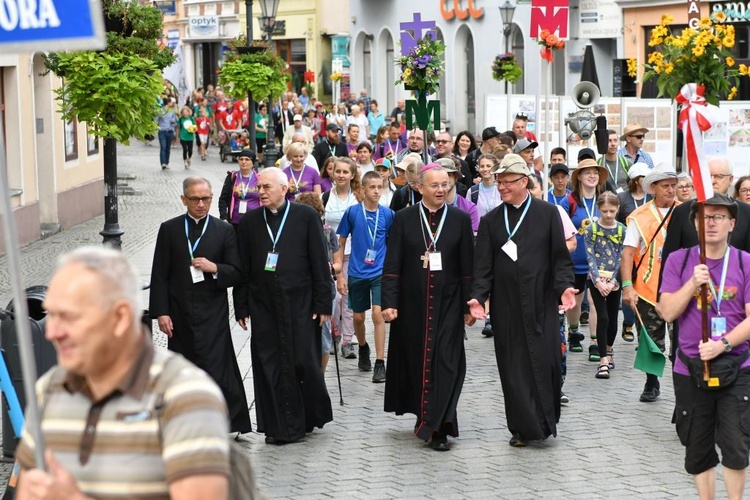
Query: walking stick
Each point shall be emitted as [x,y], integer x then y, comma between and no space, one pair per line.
[336,357]
[704,286]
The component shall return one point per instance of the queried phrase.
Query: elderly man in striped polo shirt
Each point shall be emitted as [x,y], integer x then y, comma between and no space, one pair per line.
[120,419]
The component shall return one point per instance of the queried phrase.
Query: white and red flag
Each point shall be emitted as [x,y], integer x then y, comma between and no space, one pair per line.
[696,116]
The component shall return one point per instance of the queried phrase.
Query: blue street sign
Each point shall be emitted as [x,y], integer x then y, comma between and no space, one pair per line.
[51,25]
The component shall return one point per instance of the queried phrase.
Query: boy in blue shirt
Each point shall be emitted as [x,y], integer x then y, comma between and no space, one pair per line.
[368,223]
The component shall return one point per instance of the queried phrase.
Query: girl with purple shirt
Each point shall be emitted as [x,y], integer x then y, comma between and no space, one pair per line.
[326,174]
[302,178]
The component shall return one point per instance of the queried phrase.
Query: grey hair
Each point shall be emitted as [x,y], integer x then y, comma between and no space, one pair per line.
[119,277]
[281,177]
[684,175]
[192,181]
[721,159]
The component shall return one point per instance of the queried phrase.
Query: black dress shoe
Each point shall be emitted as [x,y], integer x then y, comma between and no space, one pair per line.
[278,442]
[517,441]
[440,443]
[650,394]
[487,330]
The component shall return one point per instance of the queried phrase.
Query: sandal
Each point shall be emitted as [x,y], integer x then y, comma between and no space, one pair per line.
[610,355]
[602,371]
[627,333]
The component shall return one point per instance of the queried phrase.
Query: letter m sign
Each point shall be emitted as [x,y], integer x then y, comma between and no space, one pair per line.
[549,15]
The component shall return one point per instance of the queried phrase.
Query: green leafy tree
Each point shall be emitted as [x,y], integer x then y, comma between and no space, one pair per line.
[115,91]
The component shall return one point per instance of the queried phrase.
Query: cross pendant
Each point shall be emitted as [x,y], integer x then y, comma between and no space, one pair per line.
[425,259]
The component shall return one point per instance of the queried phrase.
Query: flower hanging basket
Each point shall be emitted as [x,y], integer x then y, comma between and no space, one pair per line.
[505,68]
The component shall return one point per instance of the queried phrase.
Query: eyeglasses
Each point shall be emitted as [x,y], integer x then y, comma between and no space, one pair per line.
[720,176]
[685,187]
[442,141]
[715,218]
[195,199]
[639,136]
[435,187]
[744,190]
[507,183]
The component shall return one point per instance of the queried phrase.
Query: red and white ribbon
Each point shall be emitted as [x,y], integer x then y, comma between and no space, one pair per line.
[696,116]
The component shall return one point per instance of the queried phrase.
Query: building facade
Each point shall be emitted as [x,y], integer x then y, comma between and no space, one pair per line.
[473,34]
[55,169]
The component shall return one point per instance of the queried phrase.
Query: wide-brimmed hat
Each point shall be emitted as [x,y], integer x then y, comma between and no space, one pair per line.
[717,200]
[588,163]
[524,144]
[511,164]
[449,166]
[639,169]
[658,173]
[411,158]
[631,129]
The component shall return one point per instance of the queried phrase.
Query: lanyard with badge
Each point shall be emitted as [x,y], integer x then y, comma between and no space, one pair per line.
[719,323]
[244,188]
[490,203]
[590,212]
[432,258]
[617,172]
[272,259]
[195,273]
[297,180]
[371,252]
[510,247]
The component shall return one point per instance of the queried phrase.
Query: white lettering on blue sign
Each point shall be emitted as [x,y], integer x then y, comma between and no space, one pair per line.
[28,14]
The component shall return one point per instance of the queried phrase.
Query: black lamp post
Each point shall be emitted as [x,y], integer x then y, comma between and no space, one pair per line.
[267,20]
[506,14]
[248,43]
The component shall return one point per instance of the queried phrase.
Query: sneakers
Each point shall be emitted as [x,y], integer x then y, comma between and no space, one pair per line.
[594,353]
[347,351]
[584,319]
[649,394]
[564,399]
[378,376]
[364,358]
[574,341]
[164,166]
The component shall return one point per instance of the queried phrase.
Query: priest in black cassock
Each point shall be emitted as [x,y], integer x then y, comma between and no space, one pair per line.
[195,261]
[524,267]
[285,294]
[425,289]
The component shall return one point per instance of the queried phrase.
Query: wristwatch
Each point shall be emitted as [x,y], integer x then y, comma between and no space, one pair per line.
[727,345]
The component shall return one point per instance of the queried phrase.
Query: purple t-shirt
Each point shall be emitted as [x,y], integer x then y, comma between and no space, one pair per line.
[325,184]
[247,190]
[301,182]
[466,206]
[736,295]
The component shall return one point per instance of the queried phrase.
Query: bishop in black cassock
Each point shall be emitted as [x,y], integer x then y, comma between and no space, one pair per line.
[524,293]
[426,357]
[285,307]
[198,312]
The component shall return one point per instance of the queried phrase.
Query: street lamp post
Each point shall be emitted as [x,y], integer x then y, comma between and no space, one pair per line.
[250,103]
[506,14]
[267,20]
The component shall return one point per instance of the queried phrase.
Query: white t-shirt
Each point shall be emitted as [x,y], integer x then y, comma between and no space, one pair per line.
[335,209]
[634,238]
[360,121]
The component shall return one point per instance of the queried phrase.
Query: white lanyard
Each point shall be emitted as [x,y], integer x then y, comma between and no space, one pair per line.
[590,212]
[490,204]
[434,238]
[191,248]
[554,198]
[617,169]
[373,234]
[718,296]
[518,224]
[275,240]
[296,180]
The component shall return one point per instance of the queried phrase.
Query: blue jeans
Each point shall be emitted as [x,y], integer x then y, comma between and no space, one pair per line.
[628,315]
[166,137]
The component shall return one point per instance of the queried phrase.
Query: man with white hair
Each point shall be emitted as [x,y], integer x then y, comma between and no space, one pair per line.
[195,261]
[133,409]
[284,296]
[298,129]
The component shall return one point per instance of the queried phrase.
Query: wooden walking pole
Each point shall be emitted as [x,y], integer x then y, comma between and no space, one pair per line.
[704,287]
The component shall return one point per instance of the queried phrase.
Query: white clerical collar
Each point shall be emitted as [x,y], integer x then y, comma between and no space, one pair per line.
[429,210]
[276,210]
[197,221]
[524,201]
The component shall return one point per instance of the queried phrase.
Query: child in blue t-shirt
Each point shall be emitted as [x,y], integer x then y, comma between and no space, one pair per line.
[368,223]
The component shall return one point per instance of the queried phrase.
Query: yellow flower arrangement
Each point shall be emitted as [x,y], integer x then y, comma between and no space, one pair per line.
[697,55]
[336,76]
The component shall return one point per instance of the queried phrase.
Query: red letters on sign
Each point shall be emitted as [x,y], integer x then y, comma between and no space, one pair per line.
[551,15]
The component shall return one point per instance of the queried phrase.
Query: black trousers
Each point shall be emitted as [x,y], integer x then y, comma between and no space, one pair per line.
[606,317]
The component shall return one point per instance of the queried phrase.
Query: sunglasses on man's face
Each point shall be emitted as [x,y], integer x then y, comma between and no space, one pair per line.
[639,136]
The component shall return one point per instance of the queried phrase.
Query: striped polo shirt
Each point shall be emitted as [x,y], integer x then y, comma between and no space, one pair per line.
[114,447]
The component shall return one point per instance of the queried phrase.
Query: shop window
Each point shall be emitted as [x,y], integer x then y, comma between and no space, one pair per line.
[70,130]
[92,144]
[294,52]
[209,9]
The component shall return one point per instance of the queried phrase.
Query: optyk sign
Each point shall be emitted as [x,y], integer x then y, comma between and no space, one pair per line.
[50,25]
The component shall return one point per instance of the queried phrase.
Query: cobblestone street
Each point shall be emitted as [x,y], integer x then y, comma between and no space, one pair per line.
[609,445]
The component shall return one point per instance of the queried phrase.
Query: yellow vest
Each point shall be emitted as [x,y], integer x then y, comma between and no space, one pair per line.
[647,219]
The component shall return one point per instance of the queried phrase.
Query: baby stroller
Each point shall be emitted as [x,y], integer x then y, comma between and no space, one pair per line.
[226,149]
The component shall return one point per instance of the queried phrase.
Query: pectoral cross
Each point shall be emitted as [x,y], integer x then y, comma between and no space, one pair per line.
[425,259]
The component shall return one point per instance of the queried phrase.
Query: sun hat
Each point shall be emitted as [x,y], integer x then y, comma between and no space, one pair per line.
[588,163]
[631,129]
[657,174]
